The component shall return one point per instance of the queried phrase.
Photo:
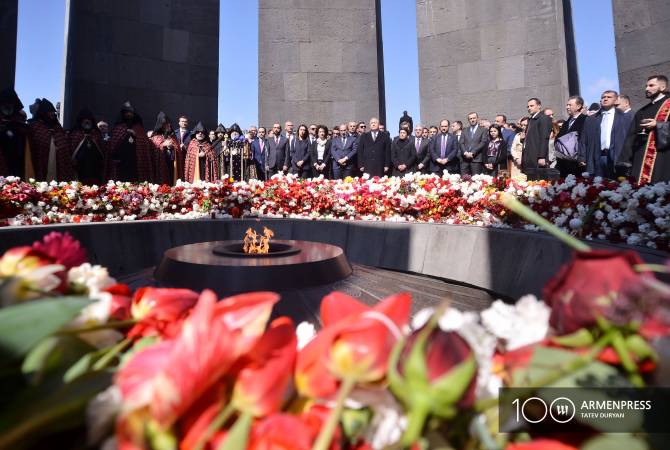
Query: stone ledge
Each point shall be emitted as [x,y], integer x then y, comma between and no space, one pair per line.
[510,263]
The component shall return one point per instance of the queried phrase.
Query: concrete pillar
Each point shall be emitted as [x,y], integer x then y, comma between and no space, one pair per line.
[490,56]
[8,19]
[642,48]
[318,61]
[159,54]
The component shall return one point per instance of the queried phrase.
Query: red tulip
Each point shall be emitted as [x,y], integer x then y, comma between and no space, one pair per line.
[355,342]
[281,432]
[589,287]
[172,375]
[266,370]
[540,444]
[160,311]
[63,249]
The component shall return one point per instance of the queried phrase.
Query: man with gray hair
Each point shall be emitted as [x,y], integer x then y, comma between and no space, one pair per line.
[343,149]
[421,147]
[374,151]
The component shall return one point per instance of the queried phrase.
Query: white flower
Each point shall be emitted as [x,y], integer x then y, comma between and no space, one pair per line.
[518,325]
[305,332]
[97,313]
[95,278]
[388,421]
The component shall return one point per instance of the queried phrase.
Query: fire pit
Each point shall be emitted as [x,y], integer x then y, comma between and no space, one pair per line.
[276,266]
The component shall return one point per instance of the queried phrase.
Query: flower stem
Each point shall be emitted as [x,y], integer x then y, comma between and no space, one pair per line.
[217,423]
[417,419]
[98,326]
[627,362]
[111,354]
[327,432]
[531,216]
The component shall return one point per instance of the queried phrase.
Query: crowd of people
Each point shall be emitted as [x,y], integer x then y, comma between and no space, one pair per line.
[608,139]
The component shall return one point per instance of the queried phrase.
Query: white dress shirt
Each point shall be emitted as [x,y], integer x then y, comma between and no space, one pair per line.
[606,128]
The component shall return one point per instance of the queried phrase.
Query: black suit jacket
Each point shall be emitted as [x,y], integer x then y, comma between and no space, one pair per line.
[451,152]
[276,152]
[314,158]
[475,144]
[536,144]
[374,155]
[403,153]
[423,155]
[589,140]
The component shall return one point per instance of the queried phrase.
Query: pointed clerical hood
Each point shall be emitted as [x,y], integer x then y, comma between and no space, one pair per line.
[85,114]
[33,109]
[8,97]
[161,120]
[198,128]
[221,129]
[406,118]
[235,128]
[44,107]
[126,108]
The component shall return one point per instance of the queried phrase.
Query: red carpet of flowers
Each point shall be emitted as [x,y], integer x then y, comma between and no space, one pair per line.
[616,211]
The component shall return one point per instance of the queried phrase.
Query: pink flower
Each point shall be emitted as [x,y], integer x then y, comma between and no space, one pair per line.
[63,249]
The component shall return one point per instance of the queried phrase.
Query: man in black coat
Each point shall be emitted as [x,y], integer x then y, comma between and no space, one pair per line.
[343,150]
[603,137]
[374,151]
[536,145]
[276,155]
[471,153]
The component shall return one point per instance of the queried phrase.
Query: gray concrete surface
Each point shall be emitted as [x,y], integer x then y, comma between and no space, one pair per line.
[317,61]
[159,54]
[642,48]
[490,57]
[8,21]
[508,262]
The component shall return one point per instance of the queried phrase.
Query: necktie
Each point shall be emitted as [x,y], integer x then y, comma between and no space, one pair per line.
[374,136]
[418,145]
[443,147]
[472,132]
[344,141]
[276,140]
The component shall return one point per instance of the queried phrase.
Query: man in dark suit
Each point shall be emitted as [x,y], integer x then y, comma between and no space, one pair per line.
[421,147]
[290,145]
[183,134]
[259,151]
[603,137]
[475,139]
[443,151]
[374,151]
[276,155]
[536,145]
[343,151]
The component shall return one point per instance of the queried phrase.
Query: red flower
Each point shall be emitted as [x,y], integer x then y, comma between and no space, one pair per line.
[540,444]
[261,383]
[63,249]
[588,287]
[160,311]
[170,376]
[355,342]
[281,432]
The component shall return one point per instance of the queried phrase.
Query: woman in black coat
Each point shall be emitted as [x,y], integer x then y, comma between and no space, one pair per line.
[403,154]
[496,152]
[319,153]
[300,158]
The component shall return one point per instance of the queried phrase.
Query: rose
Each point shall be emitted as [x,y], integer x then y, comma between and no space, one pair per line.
[433,373]
[590,286]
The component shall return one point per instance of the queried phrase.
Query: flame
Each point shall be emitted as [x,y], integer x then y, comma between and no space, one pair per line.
[251,244]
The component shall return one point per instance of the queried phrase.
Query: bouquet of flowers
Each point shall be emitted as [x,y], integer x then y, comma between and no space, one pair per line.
[89,363]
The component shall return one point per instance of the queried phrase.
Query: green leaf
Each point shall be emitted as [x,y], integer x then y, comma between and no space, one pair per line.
[239,434]
[54,353]
[618,441]
[26,324]
[640,347]
[48,408]
[449,388]
[580,338]
[355,422]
